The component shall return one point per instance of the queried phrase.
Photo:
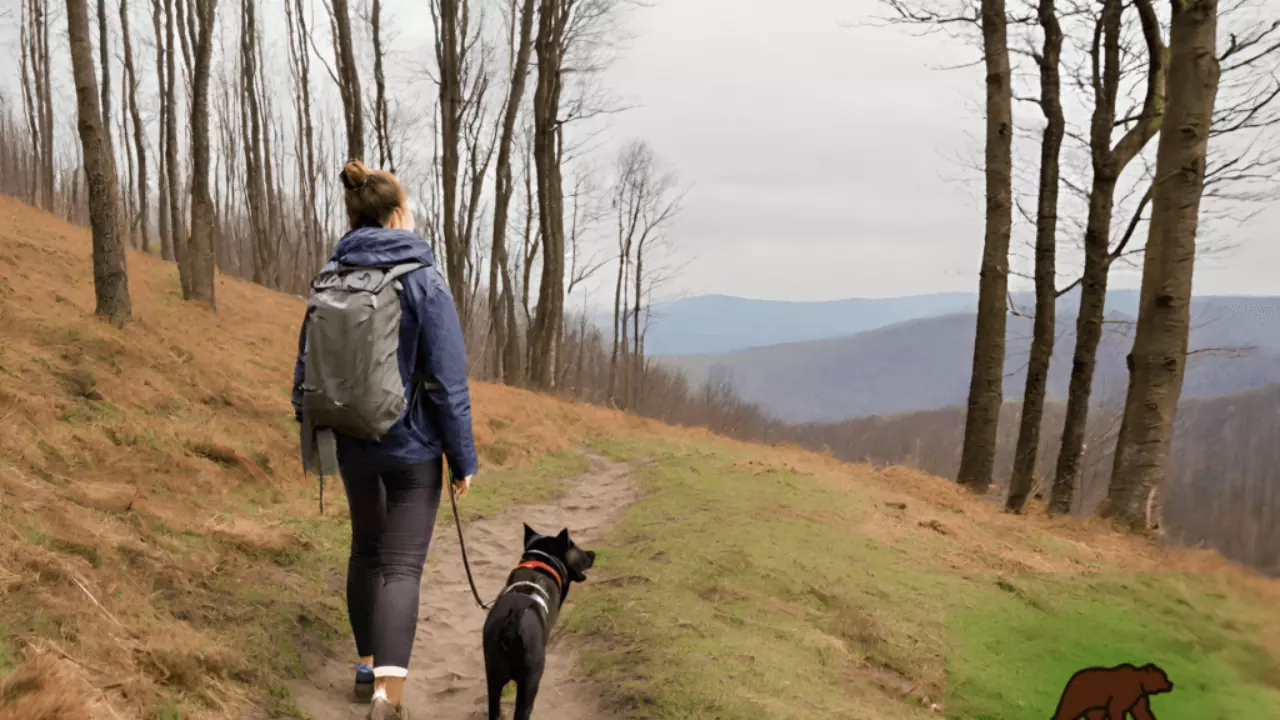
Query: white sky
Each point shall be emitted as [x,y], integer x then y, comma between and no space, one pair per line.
[824,158]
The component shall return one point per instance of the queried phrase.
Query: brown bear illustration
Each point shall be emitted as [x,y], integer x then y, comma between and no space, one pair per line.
[1111,693]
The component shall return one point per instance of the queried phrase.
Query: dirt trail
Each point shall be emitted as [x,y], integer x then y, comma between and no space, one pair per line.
[447,680]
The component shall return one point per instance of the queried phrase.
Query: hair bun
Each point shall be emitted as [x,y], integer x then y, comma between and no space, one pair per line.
[354,175]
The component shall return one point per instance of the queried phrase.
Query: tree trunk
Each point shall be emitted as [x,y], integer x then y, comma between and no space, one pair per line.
[104,54]
[1159,355]
[44,95]
[1089,325]
[546,105]
[29,63]
[172,171]
[986,387]
[135,117]
[251,133]
[275,231]
[624,255]
[382,125]
[506,333]
[110,275]
[200,254]
[448,58]
[1042,333]
[1108,164]
[349,81]
[162,172]
[306,137]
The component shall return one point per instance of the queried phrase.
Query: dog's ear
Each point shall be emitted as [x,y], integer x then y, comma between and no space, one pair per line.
[563,541]
[529,535]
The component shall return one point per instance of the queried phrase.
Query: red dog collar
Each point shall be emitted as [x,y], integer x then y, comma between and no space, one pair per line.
[534,564]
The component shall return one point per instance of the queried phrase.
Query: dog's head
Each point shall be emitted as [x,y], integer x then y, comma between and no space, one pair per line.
[561,547]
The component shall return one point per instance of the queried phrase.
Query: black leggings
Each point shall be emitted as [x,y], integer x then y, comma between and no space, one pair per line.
[393,513]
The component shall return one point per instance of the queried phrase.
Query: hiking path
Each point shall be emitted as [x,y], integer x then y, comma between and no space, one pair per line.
[446,680]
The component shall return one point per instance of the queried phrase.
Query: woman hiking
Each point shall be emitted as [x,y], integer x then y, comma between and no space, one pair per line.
[385,405]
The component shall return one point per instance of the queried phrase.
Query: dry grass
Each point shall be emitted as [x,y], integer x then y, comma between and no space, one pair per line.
[149,476]
[150,489]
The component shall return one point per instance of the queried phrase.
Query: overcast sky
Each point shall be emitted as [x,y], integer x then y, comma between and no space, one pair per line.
[828,161]
[825,158]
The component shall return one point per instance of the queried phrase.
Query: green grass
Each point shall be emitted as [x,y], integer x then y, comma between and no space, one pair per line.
[738,590]
[541,481]
[287,603]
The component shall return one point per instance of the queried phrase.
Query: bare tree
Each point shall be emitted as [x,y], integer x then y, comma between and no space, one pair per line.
[986,388]
[166,228]
[135,116]
[381,121]
[348,77]
[173,170]
[1159,355]
[553,22]
[305,136]
[38,97]
[252,133]
[198,260]
[1108,163]
[502,306]
[644,201]
[1024,463]
[110,275]
[450,18]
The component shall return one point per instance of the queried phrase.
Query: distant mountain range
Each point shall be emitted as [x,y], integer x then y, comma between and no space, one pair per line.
[924,362]
[709,324]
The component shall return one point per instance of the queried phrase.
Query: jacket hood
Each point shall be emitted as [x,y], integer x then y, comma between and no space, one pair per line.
[369,246]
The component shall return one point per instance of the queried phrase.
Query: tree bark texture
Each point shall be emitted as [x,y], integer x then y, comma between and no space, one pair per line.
[199,258]
[1042,332]
[110,275]
[448,56]
[349,81]
[1159,355]
[986,386]
[135,117]
[172,171]
[1108,163]
[546,106]
[503,306]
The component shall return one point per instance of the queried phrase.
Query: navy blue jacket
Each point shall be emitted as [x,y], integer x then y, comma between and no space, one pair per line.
[431,350]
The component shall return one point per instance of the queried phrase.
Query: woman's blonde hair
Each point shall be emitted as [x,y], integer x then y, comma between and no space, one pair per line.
[372,196]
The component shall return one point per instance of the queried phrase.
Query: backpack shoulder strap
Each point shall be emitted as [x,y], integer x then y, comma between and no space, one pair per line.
[399,271]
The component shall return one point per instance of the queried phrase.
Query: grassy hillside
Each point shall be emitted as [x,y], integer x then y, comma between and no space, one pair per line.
[162,557]
[157,536]
[1223,484]
[924,364]
[756,582]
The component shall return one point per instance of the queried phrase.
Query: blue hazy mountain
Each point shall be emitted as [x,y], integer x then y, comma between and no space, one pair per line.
[720,323]
[924,363]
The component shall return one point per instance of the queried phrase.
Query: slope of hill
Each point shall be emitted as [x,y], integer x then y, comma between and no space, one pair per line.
[924,364]
[162,558]
[1223,482]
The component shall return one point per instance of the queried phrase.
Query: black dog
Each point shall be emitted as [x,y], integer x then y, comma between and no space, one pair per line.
[520,621]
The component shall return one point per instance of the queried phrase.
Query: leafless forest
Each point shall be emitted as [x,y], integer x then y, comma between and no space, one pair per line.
[210,132]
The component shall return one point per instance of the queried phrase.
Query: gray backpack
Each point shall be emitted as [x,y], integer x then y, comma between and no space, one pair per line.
[352,383]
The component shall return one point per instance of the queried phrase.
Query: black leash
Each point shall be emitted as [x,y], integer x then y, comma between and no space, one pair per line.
[463,544]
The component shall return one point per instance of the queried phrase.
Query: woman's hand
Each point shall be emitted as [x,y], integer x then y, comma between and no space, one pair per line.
[462,486]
